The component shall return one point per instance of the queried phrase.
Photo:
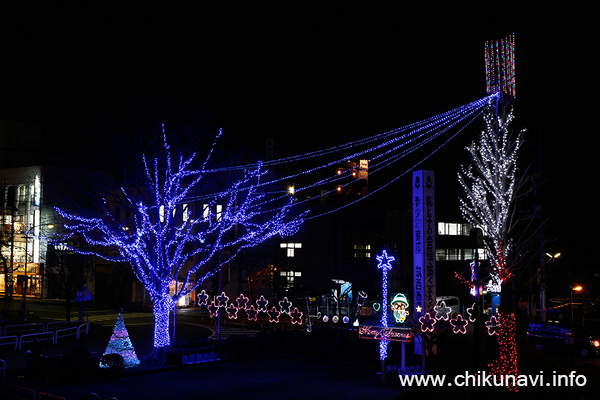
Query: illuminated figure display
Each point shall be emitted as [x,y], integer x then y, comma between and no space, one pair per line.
[400,307]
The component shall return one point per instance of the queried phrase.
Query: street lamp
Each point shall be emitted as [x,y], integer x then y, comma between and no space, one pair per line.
[577,288]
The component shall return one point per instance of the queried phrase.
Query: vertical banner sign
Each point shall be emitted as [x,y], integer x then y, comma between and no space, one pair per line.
[424,230]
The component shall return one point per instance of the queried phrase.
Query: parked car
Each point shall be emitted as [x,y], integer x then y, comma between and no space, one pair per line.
[554,337]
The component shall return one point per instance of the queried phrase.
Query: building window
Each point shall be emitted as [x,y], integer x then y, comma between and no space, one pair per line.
[290,247]
[290,277]
[453,229]
[458,254]
[362,251]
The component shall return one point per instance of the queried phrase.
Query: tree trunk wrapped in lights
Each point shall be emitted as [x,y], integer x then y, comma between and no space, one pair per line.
[178,228]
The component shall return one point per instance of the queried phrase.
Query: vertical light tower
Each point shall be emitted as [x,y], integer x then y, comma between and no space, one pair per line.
[385,264]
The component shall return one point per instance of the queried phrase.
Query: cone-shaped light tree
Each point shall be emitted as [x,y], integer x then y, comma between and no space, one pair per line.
[179,230]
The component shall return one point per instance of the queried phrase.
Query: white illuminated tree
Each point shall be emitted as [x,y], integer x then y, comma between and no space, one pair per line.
[179,230]
[490,185]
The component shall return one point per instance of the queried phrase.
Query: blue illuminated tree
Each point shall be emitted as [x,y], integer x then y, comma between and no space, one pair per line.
[178,227]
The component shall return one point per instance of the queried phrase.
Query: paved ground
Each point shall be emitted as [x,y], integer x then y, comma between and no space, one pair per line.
[257,377]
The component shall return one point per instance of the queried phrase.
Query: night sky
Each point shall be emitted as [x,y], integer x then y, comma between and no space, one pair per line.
[310,77]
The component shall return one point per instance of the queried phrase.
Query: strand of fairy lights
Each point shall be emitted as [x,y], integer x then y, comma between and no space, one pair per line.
[444,120]
[378,167]
[391,181]
[431,126]
[317,153]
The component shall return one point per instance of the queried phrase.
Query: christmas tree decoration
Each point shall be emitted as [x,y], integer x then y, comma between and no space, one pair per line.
[120,344]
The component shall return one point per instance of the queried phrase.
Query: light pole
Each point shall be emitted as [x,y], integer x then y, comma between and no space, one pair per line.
[577,288]
[542,282]
[384,264]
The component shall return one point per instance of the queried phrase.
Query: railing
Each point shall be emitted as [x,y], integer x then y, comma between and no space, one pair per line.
[10,391]
[17,335]
[10,330]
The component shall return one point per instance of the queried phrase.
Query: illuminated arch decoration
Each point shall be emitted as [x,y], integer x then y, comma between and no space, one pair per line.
[442,311]
[427,323]
[459,324]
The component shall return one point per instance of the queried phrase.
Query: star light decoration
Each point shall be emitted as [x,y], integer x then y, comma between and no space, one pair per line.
[385,264]
[176,232]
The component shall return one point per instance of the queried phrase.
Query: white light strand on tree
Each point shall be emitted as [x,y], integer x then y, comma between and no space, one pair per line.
[489,187]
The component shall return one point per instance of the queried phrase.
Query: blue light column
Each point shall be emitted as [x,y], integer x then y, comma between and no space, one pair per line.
[385,265]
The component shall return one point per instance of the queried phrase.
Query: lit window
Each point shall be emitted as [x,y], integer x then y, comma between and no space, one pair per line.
[290,278]
[161,213]
[219,212]
[454,229]
[186,212]
[290,247]
[362,251]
